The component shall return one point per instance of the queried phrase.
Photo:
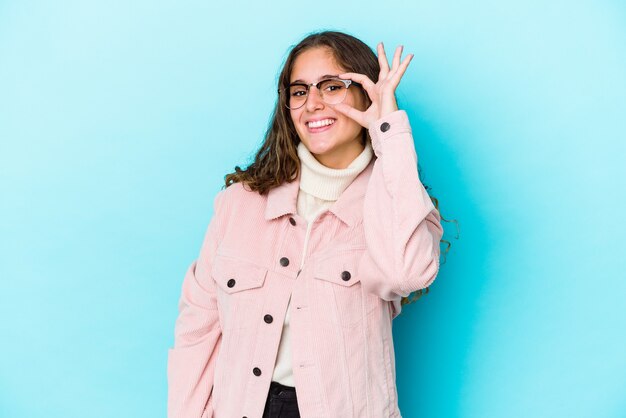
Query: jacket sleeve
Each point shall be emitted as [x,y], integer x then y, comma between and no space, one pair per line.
[402,226]
[197,334]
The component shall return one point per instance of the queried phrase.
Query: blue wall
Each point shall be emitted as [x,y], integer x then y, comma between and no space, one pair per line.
[118,121]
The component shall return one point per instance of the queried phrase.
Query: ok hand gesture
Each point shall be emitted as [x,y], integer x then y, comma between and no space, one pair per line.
[382,94]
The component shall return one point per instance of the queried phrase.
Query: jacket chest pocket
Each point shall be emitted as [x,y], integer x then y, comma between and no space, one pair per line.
[339,298]
[240,284]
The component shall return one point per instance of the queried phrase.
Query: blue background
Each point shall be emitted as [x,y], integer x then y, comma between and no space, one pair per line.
[118,121]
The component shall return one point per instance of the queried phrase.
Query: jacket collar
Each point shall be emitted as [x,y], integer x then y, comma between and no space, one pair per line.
[283,199]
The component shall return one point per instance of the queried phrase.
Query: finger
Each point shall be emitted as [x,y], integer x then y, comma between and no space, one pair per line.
[395,78]
[382,62]
[396,58]
[364,80]
[351,112]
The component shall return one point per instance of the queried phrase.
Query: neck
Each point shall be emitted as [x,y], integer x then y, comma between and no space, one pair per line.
[326,182]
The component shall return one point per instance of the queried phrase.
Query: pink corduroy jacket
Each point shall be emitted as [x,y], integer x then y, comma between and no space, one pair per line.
[377,243]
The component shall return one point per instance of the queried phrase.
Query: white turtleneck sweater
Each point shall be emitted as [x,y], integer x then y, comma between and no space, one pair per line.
[320,187]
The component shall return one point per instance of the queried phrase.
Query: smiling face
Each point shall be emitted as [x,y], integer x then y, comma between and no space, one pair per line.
[338,144]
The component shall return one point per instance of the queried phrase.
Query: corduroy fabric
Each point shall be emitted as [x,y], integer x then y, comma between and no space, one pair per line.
[320,187]
[377,243]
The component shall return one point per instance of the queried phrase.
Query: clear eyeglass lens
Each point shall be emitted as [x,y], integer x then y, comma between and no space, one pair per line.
[332,92]
[297,96]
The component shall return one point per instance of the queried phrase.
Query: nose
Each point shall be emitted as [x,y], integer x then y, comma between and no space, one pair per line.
[314,100]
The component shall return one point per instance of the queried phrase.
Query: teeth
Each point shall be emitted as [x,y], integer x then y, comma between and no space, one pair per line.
[320,123]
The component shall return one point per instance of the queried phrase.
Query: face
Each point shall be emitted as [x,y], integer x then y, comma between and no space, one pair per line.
[338,144]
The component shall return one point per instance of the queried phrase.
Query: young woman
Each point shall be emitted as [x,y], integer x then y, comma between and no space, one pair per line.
[310,251]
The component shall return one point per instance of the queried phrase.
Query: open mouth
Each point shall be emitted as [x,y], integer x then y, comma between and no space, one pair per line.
[320,125]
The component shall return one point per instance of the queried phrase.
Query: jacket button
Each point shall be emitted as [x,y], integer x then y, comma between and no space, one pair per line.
[268,319]
[292,221]
[230,283]
[256,371]
[385,127]
[284,261]
[345,275]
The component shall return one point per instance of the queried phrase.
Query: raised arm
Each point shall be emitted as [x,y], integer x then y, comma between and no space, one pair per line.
[402,226]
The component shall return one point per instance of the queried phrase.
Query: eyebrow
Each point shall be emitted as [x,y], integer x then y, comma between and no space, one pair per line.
[321,78]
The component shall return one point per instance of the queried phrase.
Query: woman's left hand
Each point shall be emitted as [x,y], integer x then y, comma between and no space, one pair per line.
[382,94]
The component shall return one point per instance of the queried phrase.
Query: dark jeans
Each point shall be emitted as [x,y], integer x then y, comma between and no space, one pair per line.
[281,402]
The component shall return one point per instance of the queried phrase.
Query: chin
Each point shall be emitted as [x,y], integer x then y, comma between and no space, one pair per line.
[317,148]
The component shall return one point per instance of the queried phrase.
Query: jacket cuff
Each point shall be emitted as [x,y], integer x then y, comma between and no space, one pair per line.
[388,126]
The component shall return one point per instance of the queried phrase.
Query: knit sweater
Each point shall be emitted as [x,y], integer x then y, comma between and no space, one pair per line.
[320,187]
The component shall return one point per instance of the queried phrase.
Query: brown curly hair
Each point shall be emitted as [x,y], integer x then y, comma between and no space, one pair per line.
[277,160]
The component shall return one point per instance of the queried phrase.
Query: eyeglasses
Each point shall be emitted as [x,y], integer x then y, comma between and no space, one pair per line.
[332,90]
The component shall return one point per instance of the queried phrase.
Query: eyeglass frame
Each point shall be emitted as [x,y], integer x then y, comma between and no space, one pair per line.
[308,86]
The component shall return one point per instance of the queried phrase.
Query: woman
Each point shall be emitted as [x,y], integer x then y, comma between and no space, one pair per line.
[310,251]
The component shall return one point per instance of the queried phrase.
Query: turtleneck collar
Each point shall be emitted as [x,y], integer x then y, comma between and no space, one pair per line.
[325,182]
